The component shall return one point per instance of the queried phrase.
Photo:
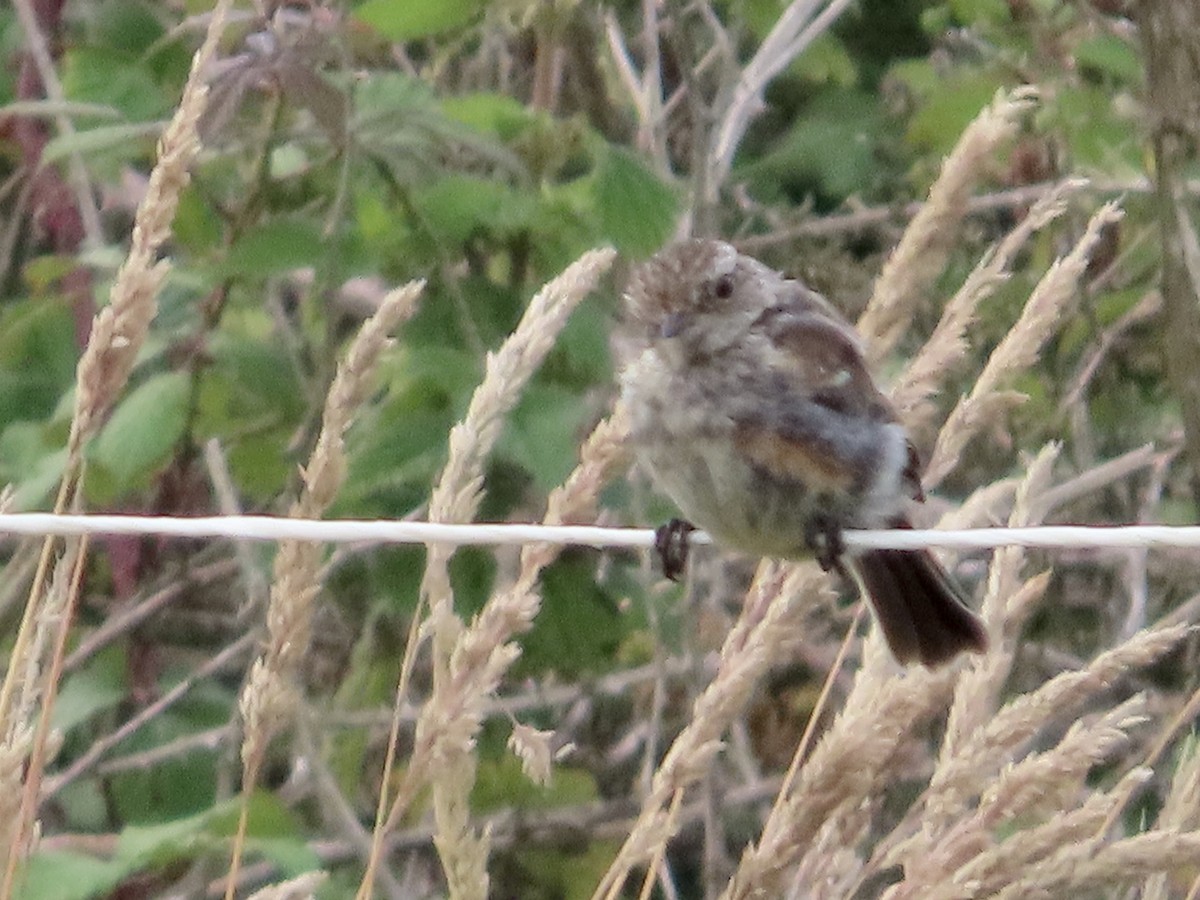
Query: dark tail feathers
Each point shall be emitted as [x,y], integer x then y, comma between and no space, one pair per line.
[918,607]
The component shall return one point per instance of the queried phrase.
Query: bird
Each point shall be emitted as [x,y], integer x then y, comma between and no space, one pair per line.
[752,407]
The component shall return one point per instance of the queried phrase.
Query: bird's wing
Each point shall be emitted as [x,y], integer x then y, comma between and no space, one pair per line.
[816,413]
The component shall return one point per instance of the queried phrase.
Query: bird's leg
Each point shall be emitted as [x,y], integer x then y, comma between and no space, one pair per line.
[671,543]
[823,535]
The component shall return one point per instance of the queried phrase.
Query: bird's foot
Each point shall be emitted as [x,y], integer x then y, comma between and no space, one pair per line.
[672,543]
[823,536]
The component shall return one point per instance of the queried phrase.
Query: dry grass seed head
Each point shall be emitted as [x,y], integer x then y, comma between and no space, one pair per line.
[271,695]
[535,750]
[1004,862]
[457,494]
[978,691]
[775,605]
[119,330]
[849,767]
[303,887]
[469,662]
[947,346]
[1019,349]
[1040,784]
[985,750]
[1088,866]
[921,254]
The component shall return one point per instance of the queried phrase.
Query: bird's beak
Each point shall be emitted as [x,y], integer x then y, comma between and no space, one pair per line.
[671,325]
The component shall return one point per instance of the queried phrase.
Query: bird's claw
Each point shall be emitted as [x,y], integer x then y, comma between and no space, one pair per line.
[672,543]
[824,538]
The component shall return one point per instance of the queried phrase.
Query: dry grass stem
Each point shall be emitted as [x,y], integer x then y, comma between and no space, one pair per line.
[849,767]
[1045,310]
[1005,604]
[271,694]
[444,740]
[947,346]
[117,334]
[913,266]
[775,605]
[800,23]
[1181,809]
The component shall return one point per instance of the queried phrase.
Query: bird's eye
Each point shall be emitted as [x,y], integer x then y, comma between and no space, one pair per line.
[723,289]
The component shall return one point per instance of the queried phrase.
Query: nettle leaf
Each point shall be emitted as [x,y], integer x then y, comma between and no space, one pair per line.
[949,109]
[497,114]
[579,627]
[37,358]
[143,429]
[636,209]
[277,245]
[250,398]
[130,141]
[544,432]
[119,80]
[830,150]
[458,206]
[54,875]
[1109,55]
[94,689]
[410,21]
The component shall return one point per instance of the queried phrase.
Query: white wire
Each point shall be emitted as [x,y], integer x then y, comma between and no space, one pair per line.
[271,528]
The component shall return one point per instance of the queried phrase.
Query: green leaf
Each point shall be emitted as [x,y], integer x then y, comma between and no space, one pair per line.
[142,845]
[101,75]
[543,433]
[636,209]
[144,428]
[127,25]
[826,60]
[1109,55]
[503,784]
[829,151]
[131,140]
[974,13]
[404,20]
[37,357]
[251,400]
[949,109]
[579,627]
[275,246]
[97,687]
[36,482]
[1099,135]
[56,875]
[497,114]
[459,206]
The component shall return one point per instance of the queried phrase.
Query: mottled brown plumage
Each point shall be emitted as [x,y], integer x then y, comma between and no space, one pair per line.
[753,409]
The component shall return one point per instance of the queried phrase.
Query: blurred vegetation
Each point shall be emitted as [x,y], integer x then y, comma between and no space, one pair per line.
[482,147]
